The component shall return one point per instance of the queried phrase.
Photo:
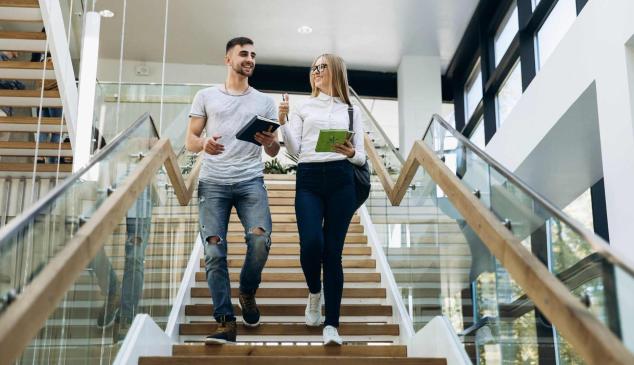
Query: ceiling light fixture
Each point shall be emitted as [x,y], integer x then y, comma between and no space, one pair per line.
[106,13]
[304,29]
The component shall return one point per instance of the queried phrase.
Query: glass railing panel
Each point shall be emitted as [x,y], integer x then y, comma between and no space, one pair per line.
[556,240]
[138,271]
[442,267]
[392,160]
[168,103]
[28,243]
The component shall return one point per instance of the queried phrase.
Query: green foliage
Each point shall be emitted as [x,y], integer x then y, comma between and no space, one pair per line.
[274,166]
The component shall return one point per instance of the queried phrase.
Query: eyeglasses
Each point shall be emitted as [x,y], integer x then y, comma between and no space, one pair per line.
[319,68]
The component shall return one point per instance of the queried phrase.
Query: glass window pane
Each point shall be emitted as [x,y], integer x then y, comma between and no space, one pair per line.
[581,210]
[477,137]
[510,92]
[505,34]
[555,27]
[473,91]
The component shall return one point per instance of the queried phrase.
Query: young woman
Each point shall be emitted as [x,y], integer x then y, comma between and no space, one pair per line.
[325,197]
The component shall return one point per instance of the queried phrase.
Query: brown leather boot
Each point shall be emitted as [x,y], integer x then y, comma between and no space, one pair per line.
[226,332]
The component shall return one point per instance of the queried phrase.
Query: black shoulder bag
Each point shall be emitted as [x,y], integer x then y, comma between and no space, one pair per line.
[361,173]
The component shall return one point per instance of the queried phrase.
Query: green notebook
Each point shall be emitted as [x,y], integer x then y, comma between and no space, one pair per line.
[330,137]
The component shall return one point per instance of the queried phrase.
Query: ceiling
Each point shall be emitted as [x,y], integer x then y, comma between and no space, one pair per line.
[368,34]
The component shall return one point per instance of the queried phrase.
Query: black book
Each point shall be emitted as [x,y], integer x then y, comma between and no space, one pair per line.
[256,124]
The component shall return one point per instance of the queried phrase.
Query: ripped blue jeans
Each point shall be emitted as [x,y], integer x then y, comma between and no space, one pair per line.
[252,205]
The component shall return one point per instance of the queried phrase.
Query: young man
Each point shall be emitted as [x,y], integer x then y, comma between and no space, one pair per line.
[231,176]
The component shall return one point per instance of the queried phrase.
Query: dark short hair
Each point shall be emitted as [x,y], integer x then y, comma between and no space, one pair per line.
[238,41]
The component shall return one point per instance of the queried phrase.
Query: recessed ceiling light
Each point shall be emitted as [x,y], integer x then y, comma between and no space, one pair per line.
[106,13]
[304,29]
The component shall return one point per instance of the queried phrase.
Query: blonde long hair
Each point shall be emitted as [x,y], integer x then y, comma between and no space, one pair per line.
[338,77]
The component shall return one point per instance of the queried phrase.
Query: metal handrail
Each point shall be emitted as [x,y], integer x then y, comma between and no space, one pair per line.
[377,126]
[602,247]
[19,222]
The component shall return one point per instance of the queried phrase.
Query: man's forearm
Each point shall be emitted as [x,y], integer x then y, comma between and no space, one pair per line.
[195,144]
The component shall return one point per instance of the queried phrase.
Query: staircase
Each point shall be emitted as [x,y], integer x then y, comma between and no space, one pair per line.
[369,333]
[21,30]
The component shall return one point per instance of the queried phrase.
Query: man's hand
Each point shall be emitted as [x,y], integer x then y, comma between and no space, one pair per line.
[212,147]
[267,139]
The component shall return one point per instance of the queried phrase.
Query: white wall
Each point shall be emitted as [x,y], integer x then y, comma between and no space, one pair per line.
[596,53]
[592,56]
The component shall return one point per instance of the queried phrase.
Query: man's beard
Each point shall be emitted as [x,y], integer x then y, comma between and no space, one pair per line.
[238,69]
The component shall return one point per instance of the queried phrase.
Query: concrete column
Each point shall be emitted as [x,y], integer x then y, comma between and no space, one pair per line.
[419,96]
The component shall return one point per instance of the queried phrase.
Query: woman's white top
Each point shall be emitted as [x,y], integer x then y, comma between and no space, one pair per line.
[301,132]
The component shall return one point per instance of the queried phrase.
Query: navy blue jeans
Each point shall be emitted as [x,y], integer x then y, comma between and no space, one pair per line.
[252,205]
[324,206]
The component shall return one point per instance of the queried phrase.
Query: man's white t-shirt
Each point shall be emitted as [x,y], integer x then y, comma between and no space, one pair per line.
[225,115]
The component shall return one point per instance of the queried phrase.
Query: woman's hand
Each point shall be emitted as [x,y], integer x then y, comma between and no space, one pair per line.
[283,110]
[346,149]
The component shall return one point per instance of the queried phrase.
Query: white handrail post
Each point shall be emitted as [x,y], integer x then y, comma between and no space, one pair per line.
[87,85]
[60,52]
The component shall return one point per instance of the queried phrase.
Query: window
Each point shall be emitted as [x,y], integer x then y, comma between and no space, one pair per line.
[505,34]
[554,28]
[477,136]
[510,92]
[473,91]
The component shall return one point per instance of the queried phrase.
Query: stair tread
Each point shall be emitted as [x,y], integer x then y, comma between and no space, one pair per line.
[283,360]
[25,64]
[345,329]
[19,3]
[37,36]
[286,277]
[295,292]
[29,93]
[295,309]
[28,167]
[29,120]
[255,350]
[288,263]
[31,145]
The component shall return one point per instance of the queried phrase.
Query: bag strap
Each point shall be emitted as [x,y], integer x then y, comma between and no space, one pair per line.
[350,118]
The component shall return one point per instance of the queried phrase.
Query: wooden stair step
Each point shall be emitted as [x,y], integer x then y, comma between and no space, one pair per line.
[279,177]
[280,186]
[292,329]
[288,360]
[292,263]
[28,167]
[22,41]
[20,3]
[193,217]
[294,238]
[251,350]
[291,277]
[295,292]
[19,148]
[30,98]
[29,124]
[172,249]
[160,234]
[24,70]
[295,310]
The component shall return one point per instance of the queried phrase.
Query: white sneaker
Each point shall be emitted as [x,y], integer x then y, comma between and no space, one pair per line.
[331,337]
[313,309]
